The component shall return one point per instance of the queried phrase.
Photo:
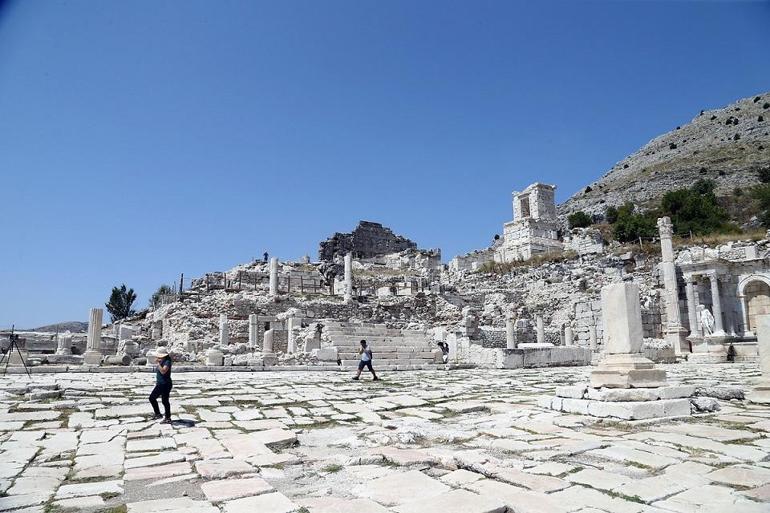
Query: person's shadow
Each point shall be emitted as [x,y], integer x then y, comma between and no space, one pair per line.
[183,423]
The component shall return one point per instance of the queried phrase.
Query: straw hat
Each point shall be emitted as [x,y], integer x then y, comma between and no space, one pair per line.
[161,353]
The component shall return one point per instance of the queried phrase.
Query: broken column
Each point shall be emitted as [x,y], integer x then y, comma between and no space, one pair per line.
[510,333]
[623,365]
[592,337]
[268,356]
[253,330]
[625,384]
[569,337]
[675,333]
[273,276]
[761,392]
[224,335]
[291,346]
[93,354]
[348,277]
[64,343]
[540,330]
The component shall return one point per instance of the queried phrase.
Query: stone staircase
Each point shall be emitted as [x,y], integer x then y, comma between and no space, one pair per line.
[393,349]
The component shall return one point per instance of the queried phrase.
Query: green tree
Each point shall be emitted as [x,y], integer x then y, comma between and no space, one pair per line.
[630,225]
[695,209]
[762,194]
[163,290]
[579,219]
[611,214]
[120,303]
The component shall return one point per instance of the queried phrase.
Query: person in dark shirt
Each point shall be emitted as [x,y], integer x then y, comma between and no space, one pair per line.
[163,385]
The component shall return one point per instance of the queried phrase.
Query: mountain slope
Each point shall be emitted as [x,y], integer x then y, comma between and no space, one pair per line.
[728,145]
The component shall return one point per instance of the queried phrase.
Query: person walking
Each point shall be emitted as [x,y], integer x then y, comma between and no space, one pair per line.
[163,385]
[366,361]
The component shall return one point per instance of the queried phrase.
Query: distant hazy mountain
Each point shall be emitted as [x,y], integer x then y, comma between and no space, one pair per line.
[73,326]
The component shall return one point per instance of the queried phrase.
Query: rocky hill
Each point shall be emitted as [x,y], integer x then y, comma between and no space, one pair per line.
[728,145]
[72,326]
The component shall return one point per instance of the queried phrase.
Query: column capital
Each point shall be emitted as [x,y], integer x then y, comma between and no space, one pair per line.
[665,227]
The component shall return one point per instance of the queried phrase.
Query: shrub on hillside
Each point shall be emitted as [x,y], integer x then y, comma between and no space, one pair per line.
[579,219]
[630,225]
[695,209]
[762,194]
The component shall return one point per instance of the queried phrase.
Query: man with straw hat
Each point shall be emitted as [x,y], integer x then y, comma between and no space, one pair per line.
[162,385]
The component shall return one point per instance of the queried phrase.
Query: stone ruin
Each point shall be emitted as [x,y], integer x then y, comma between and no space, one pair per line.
[368,240]
[700,304]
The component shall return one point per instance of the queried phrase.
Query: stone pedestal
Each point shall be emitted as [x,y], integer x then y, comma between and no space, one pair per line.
[761,392]
[710,349]
[623,366]
[93,354]
[677,337]
[627,371]
[214,358]
[625,385]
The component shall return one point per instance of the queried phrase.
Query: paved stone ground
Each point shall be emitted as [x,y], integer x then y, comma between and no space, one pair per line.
[461,441]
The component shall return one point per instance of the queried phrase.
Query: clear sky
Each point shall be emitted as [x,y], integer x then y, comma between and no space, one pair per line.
[142,139]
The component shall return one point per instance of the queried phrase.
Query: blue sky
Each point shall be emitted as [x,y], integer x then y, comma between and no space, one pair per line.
[139,140]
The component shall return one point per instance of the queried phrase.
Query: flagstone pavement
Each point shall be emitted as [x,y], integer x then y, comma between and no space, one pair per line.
[464,441]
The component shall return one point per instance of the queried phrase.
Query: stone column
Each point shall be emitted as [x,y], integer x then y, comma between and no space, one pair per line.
[745,316]
[540,330]
[761,392]
[273,276]
[224,335]
[569,337]
[291,346]
[692,308]
[93,354]
[592,337]
[510,333]
[674,332]
[716,303]
[64,343]
[623,366]
[253,330]
[348,277]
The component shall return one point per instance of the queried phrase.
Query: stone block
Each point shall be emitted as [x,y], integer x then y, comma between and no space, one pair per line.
[572,392]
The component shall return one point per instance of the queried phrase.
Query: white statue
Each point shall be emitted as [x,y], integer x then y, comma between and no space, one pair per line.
[706,321]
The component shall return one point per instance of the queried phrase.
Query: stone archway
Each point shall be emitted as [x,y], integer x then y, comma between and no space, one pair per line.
[757,294]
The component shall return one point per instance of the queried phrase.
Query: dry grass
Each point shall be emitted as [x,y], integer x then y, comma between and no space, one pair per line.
[720,238]
[535,261]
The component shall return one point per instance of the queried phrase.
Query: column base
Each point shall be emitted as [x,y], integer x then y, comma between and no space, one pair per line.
[64,352]
[92,357]
[627,371]
[677,337]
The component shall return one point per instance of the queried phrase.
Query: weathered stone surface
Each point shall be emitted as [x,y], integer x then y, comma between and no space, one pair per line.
[224,490]
[456,501]
[267,503]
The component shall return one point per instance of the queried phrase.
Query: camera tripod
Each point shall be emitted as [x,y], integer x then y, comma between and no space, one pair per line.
[14,343]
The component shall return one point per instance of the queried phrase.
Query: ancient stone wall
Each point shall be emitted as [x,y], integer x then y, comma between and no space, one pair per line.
[368,240]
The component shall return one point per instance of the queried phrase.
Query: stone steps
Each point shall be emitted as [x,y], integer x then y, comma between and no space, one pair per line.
[394,348]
